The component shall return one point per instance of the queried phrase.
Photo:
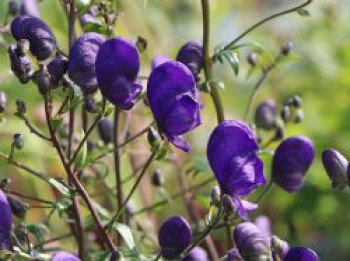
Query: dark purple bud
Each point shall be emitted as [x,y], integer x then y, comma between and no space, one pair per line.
[20,65]
[64,256]
[174,237]
[21,106]
[42,42]
[30,7]
[301,253]
[265,115]
[287,48]
[19,208]
[153,137]
[57,68]
[191,55]
[279,246]
[116,256]
[233,255]
[232,154]
[141,44]
[291,161]
[18,141]
[215,196]
[3,101]
[196,254]
[297,101]
[336,167]
[157,178]
[90,104]
[299,116]
[172,96]
[81,62]
[42,78]
[279,134]
[251,243]
[158,60]
[14,7]
[285,113]
[252,59]
[117,66]
[105,129]
[5,221]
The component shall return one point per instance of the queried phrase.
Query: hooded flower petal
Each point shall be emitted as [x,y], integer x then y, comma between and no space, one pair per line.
[174,237]
[82,57]
[336,166]
[301,253]
[292,159]
[117,66]
[5,221]
[196,254]
[172,97]
[251,243]
[232,154]
[64,256]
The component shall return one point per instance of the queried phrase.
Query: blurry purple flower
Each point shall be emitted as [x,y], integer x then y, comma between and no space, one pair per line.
[20,65]
[251,243]
[64,256]
[232,154]
[30,7]
[235,205]
[196,254]
[336,167]
[174,237]
[81,65]
[117,66]
[5,221]
[191,55]
[292,159]
[279,246]
[172,96]
[158,60]
[57,68]
[263,223]
[265,115]
[41,40]
[233,255]
[301,253]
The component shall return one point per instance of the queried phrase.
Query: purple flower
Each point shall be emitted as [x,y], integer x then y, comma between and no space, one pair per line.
[265,115]
[174,237]
[336,167]
[20,65]
[30,7]
[64,256]
[5,221]
[292,159]
[233,255]
[41,40]
[232,154]
[196,254]
[191,55]
[57,68]
[117,66]
[172,96]
[158,60]
[82,57]
[235,205]
[301,253]
[251,243]
[263,223]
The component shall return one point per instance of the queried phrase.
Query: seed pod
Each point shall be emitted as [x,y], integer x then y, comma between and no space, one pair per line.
[19,208]
[157,178]
[18,140]
[336,167]
[105,128]
[286,49]
[265,115]
[252,59]
[3,101]
[20,65]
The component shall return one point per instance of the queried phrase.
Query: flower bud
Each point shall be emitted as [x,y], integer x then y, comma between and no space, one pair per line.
[5,222]
[215,196]
[196,254]
[336,167]
[279,246]
[285,113]
[42,78]
[4,182]
[279,134]
[14,7]
[3,101]
[191,55]
[299,116]
[291,161]
[18,207]
[301,253]
[265,115]
[141,44]
[174,237]
[153,137]
[252,59]
[228,205]
[286,49]
[297,101]
[64,256]
[18,140]
[57,68]
[105,129]
[116,256]
[157,178]
[90,104]
[20,65]
[233,255]
[251,243]
[21,106]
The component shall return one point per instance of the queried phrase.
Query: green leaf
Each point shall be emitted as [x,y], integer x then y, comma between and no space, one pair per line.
[125,232]
[38,230]
[232,59]
[60,186]
[303,12]
[56,122]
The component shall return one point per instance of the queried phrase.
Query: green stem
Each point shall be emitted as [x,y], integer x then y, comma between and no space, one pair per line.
[214,92]
[268,187]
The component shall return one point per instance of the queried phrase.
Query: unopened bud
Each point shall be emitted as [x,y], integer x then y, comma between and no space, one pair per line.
[297,101]
[265,115]
[279,133]
[18,140]
[157,178]
[153,137]
[117,256]
[299,116]
[335,165]
[286,49]
[141,44]
[3,101]
[90,104]
[20,65]
[285,113]
[215,196]
[105,129]
[43,80]
[228,205]
[18,207]
[4,182]
[252,59]
[21,106]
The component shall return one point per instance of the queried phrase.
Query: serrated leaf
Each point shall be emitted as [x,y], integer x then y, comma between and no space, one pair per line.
[303,12]
[126,234]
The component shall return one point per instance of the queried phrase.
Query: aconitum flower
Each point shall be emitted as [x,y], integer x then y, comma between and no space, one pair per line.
[5,221]
[82,57]
[301,253]
[251,243]
[64,256]
[41,40]
[336,167]
[196,254]
[172,96]
[57,68]
[265,115]
[117,66]
[291,161]
[233,255]
[191,55]
[174,237]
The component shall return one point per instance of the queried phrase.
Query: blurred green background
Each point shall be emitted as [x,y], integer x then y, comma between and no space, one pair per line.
[319,72]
